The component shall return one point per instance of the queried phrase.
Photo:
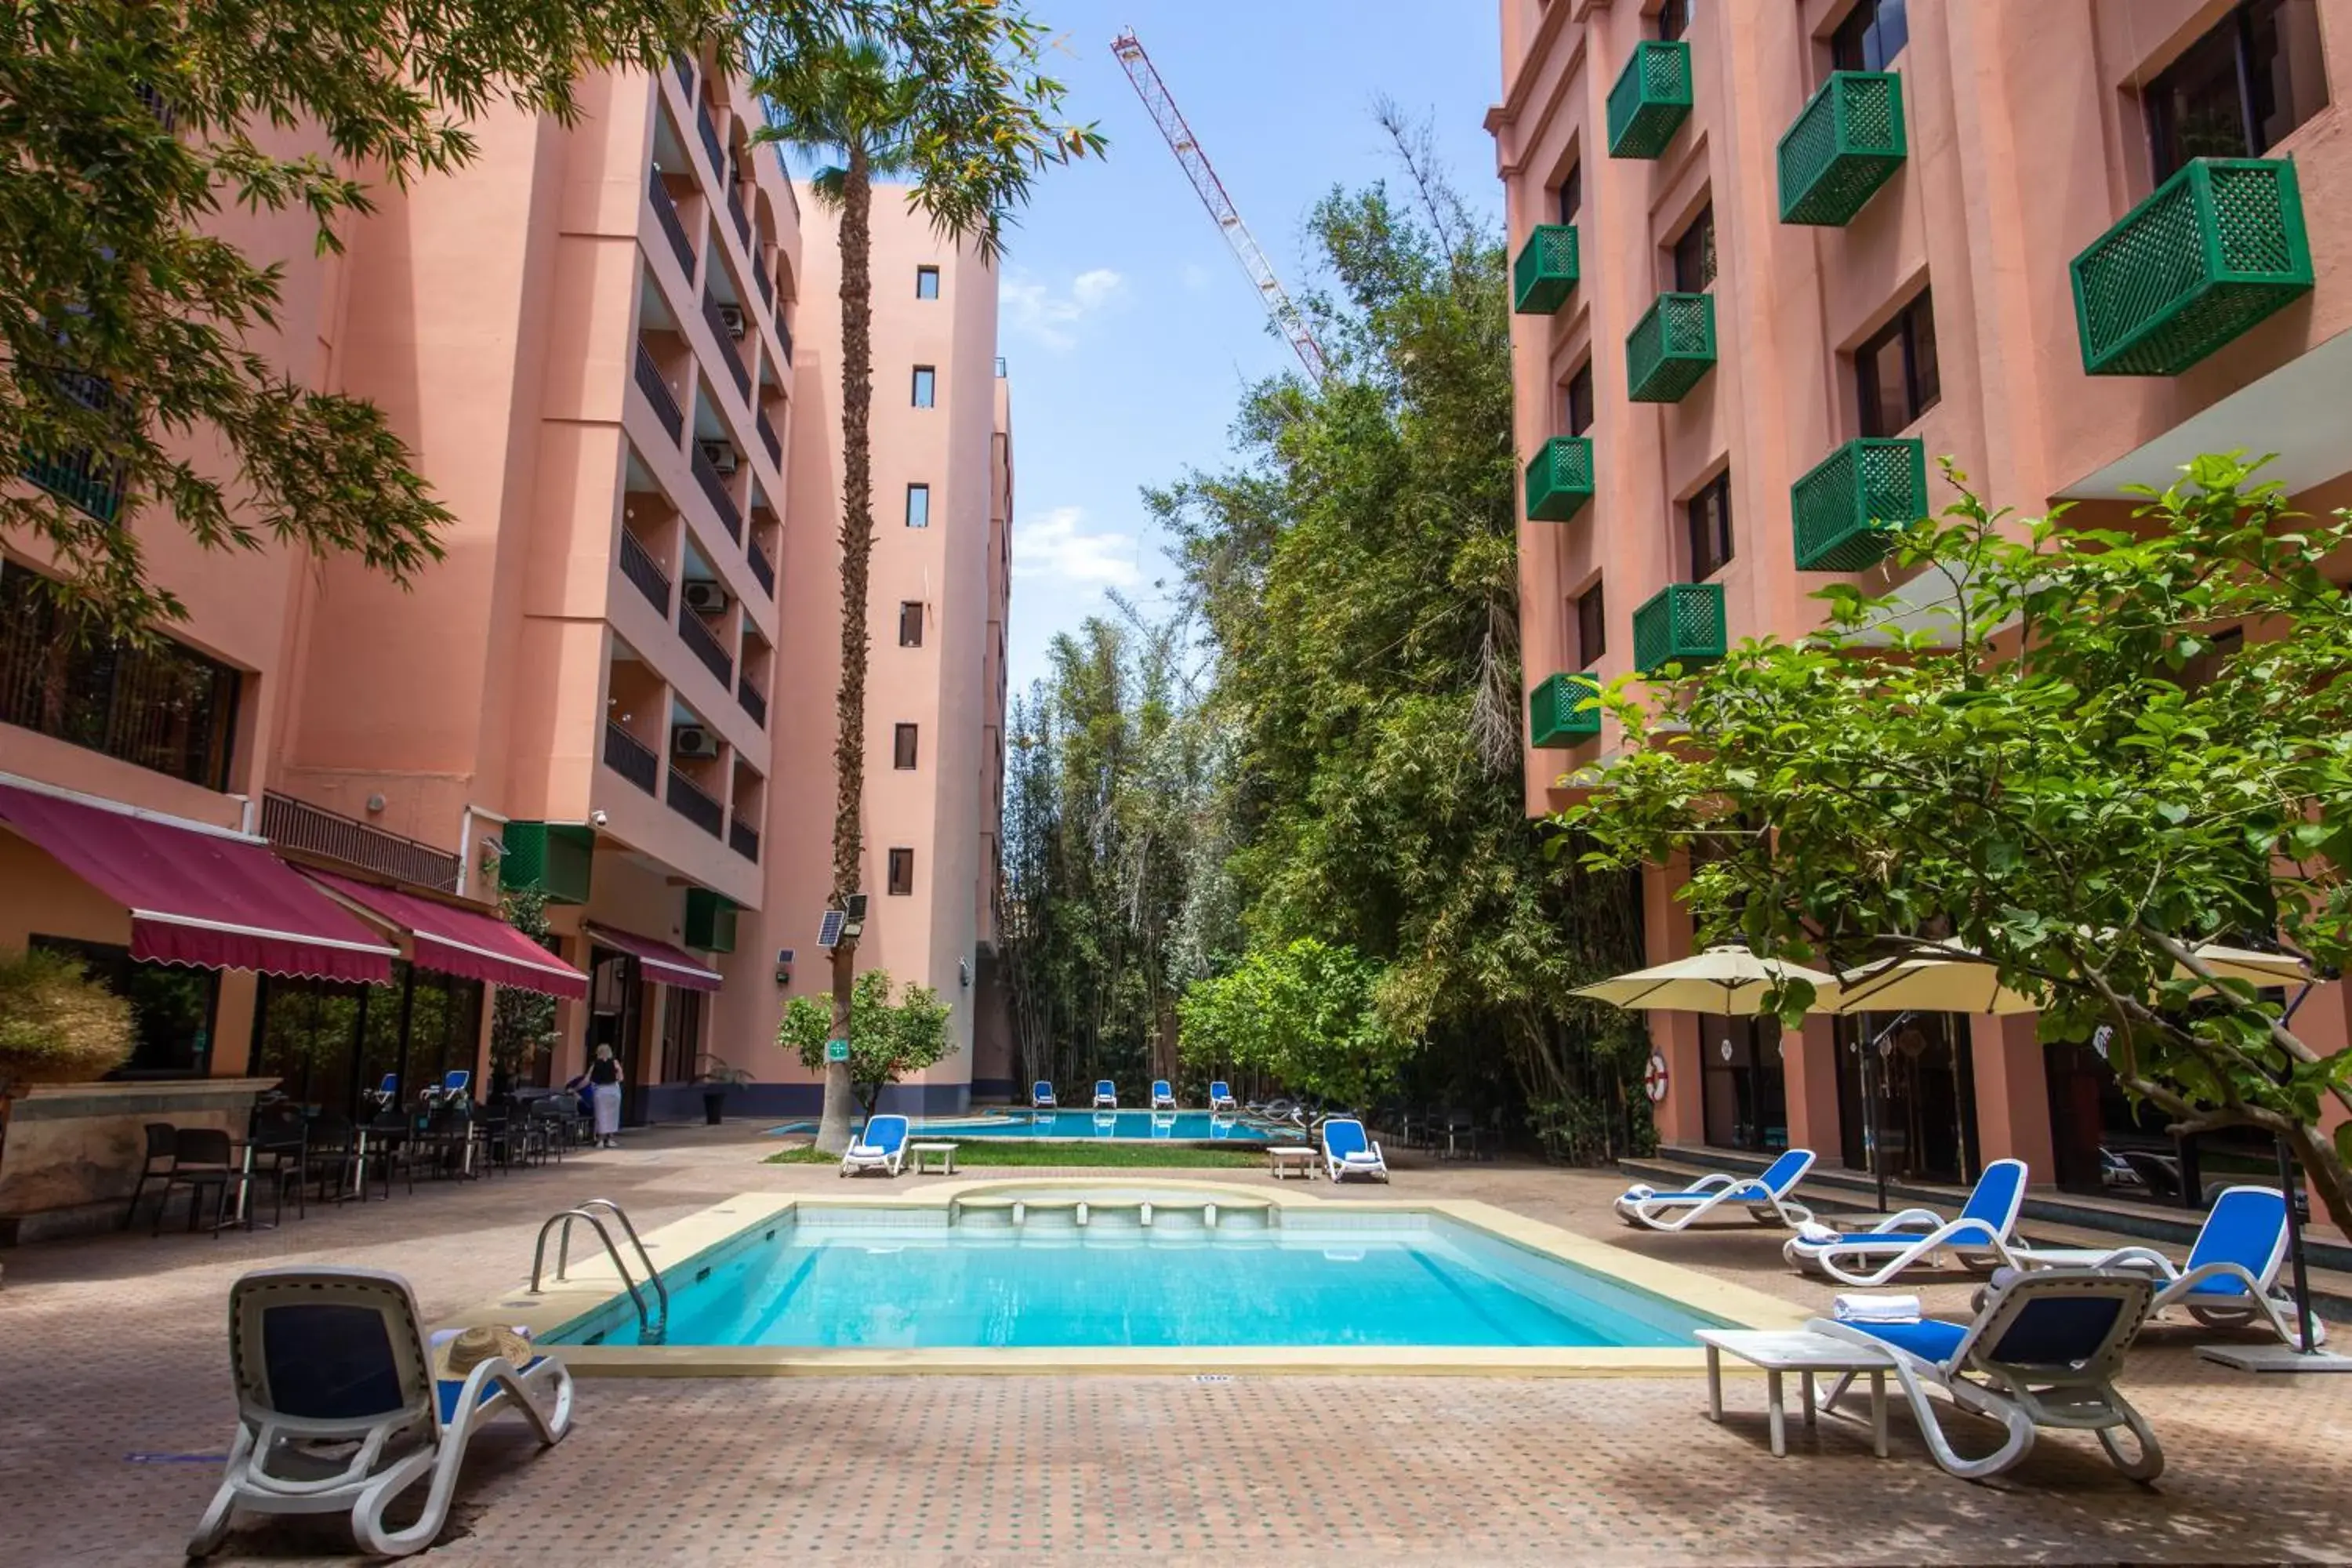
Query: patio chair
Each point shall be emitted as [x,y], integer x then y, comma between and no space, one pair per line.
[1106,1095]
[1164,1098]
[1765,1197]
[157,1167]
[2044,1352]
[327,1358]
[1041,1097]
[1221,1097]
[882,1143]
[280,1135]
[1348,1153]
[203,1160]
[2230,1279]
[1979,1236]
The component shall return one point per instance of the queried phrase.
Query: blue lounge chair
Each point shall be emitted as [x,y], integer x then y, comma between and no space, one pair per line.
[1221,1097]
[339,1409]
[1766,1197]
[1163,1097]
[1979,1236]
[1106,1095]
[2231,1272]
[1041,1097]
[2043,1351]
[1348,1153]
[882,1143]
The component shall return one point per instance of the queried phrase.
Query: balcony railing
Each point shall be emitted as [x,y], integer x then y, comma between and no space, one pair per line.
[1651,99]
[1670,348]
[685,70]
[709,134]
[2214,250]
[686,799]
[1563,711]
[665,210]
[1683,623]
[706,646]
[768,438]
[1545,272]
[727,346]
[715,489]
[761,567]
[735,211]
[630,757]
[763,290]
[744,839]
[1559,480]
[657,393]
[1855,500]
[784,332]
[81,479]
[753,700]
[298,825]
[638,567]
[1847,143]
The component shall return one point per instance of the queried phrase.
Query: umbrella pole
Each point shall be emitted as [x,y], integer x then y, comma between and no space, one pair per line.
[2294,1248]
[1870,1096]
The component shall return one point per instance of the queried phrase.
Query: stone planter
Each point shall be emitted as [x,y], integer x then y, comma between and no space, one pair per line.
[74,1150]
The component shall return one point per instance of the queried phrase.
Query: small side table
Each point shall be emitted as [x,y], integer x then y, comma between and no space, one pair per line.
[1282,1159]
[1805,1353]
[924,1152]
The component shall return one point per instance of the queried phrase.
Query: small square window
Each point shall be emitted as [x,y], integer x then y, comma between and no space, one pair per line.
[919,506]
[1592,627]
[1896,375]
[1708,515]
[910,623]
[1572,193]
[1873,33]
[902,746]
[1674,18]
[2238,90]
[927,386]
[1694,254]
[927,282]
[1577,396]
[902,871]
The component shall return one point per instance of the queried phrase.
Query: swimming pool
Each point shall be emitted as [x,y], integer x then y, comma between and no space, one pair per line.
[1028,1268]
[1175,1126]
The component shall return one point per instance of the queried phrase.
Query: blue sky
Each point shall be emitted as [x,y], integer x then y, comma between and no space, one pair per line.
[1129,328]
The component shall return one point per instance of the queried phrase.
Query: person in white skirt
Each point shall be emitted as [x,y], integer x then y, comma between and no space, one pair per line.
[605,1088]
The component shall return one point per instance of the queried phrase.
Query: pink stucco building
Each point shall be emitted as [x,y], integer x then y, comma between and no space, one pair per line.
[1772,260]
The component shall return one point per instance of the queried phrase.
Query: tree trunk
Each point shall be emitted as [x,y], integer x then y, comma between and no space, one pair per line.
[856,554]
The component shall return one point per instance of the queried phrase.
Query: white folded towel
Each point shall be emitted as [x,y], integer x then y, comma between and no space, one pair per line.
[1814,1230]
[1875,1309]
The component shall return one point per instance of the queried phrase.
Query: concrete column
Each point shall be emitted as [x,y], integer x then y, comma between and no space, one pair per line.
[1809,1061]
[2013,1095]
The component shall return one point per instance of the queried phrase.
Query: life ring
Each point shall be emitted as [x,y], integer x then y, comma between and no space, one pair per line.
[1653,1078]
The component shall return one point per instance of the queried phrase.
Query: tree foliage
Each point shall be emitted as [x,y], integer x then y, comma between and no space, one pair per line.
[887,1039]
[1304,1015]
[2067,764]
[57,1024]
[522,1023]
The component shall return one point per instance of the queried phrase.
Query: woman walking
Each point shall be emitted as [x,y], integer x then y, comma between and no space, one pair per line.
[605,1084]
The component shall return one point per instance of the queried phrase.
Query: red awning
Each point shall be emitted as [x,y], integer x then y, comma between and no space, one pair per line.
[670,965]
[464,942]
[199,895]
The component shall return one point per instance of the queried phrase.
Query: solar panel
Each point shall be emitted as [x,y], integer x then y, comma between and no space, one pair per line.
[828,931]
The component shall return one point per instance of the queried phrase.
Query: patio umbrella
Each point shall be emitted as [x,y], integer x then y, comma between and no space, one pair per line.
[2250,965]
[1728,982]
[1949,979]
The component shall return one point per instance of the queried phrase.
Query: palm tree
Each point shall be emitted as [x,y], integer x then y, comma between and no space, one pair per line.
[966,120]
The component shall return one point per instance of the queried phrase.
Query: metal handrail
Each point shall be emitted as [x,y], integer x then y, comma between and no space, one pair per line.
[650,1330]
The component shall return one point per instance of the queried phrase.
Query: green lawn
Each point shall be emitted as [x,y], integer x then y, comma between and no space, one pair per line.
[1032,1153]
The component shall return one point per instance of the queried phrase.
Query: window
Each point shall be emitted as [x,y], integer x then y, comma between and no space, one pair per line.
[1577,396]
[902,746]
[1592,627]
[1675,17]
[919,506]
[927,282]
[1873,33]
[1572,193]
[902,871]
[172,1007]
[927,386]
[164,706]
[1710,516]
[1895,372]
[1694,253]
[2239,89]
[910,623]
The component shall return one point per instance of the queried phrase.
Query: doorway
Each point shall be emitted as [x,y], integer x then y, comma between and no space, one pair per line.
[1743,1088]
[616,1006]
[1923,1072]
[681,1034]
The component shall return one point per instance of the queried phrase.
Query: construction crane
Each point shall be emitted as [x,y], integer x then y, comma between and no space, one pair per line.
[1161,107]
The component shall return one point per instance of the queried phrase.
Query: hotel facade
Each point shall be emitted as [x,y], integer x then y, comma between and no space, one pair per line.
[1770,263]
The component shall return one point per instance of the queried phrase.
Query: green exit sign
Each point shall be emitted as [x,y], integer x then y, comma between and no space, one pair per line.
[836,1050]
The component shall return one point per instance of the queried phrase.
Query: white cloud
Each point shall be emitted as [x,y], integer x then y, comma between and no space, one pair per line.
[1054,545]
[1050,317]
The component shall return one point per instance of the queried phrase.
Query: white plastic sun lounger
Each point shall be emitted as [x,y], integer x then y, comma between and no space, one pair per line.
[1106,1095]
[1163,1097]
[1041,1097]
[1347,1152]
[1765,1197]
[883,1144]
[1221,1097]
[324,1359]
[2044,1352]
[1871,1257]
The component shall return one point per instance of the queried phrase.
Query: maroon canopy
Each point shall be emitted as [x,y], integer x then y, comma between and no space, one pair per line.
[464,942]
[200,895]
[670,965]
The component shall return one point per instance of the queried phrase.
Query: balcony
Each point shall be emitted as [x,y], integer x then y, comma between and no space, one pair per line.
[81,478]
[685,70]
[2213,251]
[714,489]
[735,211]
[630,757]
[761,289]
[1847,143]
[1855,500]
[657,393]
[785,336]
[638,567]
[753,700]
[1682,625]
[672,224]
[1545,273]
[760,567]
[768,438]
[730,336]
[1670,348]
[1563,711]
[298,825]
[1559,480]
[709,134]
[706,646]
[744,840]
[1651,99]
[686,799]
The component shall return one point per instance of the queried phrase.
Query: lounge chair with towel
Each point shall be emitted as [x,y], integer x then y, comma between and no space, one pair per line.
[881,1145]
[1765,1197]
[1979,1236]
[1347,1152]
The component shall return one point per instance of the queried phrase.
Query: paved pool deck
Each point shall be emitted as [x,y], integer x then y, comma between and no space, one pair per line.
[114,1386]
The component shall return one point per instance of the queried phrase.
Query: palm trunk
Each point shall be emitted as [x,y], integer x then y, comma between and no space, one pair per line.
[857,553]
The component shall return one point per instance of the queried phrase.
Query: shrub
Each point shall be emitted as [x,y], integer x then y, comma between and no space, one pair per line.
[57,1025]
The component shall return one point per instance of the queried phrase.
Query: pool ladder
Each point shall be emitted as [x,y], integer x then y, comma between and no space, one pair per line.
[651,1329]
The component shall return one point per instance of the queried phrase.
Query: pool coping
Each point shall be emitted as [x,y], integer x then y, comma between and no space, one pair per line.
[592,1282]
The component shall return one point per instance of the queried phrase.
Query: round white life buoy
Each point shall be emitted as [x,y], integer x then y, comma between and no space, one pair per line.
[1653,1078]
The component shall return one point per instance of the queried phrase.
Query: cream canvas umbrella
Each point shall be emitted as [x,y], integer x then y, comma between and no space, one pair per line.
[2249,964]
[1948,978]
[1728,982]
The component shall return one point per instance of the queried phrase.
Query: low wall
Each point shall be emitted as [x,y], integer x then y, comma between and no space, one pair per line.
[798,1102]
[74,1150]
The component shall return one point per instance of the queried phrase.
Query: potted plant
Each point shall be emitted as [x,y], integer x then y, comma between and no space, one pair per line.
[57,1025]
[716,1079]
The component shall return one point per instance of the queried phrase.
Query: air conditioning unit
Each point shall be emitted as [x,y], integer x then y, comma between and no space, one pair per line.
[731,317]
[719,454]
[705,598]
[693,741]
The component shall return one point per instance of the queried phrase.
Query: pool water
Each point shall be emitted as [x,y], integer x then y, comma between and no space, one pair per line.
[1177,1126]
[925,1279]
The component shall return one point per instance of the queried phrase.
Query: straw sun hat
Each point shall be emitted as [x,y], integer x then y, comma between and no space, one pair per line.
[477,1344]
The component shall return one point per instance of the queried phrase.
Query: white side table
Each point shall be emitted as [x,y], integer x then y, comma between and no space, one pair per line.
[923,1153]
[1805,1353]
[1283,1159]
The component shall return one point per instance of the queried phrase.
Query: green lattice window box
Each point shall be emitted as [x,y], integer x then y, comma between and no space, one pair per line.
[81,478]
[1847,143]
[1670,348]
[1651,99]
[710,921]
[1559,480]
[1546,271]
[1683,623]
[1563,711]
[553,857]
[1855,499]
[2212,250]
